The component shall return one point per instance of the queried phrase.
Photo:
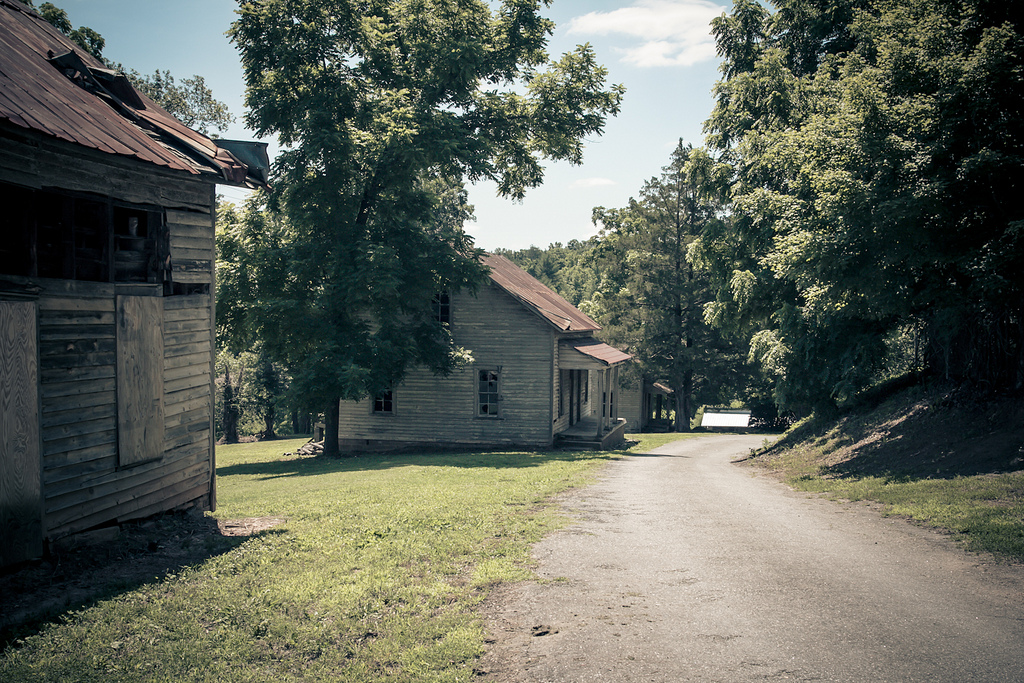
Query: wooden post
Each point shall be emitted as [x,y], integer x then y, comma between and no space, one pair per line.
[601,398]
[615,390]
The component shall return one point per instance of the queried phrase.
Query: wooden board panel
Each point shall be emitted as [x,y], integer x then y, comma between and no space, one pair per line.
[190,218]
[193,305]
[21,535]
[190,325]
[191,241]
[140,364]
[187,254]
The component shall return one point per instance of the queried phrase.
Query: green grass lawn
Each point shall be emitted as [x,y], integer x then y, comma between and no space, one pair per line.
[985,512]
[374,575]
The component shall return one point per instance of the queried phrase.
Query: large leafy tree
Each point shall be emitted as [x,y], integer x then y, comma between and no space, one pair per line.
[384,109]
[652,296]
[878,150]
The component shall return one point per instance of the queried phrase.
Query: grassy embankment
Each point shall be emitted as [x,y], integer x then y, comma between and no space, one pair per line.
[374,574]
[951,463]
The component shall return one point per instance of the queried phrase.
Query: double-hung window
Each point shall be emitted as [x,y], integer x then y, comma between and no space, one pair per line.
[384,403]
[488,393]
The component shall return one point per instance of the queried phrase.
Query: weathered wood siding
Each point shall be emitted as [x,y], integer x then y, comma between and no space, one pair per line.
[125,372]
[631,408]
[501,334]
[21,500]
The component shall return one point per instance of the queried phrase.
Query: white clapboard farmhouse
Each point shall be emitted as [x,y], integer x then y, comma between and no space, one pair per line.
[106,294]
[538,377]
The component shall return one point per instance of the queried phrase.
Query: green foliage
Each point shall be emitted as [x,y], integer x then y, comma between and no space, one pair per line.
[189,101]
[86,38]
[878,151]
[384,109]
[375,574]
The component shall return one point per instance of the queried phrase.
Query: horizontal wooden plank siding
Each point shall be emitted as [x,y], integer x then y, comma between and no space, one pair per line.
[79,439]
[192,246]
[503,336]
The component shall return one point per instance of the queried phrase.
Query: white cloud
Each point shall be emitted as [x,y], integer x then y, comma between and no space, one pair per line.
[672,32]
[593,182]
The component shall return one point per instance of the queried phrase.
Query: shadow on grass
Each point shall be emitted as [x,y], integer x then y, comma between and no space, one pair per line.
[368,462]
[39,593]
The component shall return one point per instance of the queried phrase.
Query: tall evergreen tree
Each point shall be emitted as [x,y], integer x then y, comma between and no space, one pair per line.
[652,296]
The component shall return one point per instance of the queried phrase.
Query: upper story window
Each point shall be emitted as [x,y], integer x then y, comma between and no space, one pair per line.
[488,393]
[442,308]
[67,236]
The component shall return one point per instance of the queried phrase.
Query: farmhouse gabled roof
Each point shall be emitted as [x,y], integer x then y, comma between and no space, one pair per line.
[537,296]
[51,86]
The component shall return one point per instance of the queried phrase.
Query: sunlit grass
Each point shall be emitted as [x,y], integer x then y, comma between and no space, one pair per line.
[375,573]
[985,512]
[648,442]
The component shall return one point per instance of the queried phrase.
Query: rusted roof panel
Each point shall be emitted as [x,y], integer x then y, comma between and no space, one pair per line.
[37,93]
[609,355]
[538,296]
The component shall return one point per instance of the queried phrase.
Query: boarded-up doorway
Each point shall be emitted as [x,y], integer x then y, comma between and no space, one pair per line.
[21,502]
[140,379]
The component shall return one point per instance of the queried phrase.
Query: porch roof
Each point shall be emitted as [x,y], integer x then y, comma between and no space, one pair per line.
[592,354]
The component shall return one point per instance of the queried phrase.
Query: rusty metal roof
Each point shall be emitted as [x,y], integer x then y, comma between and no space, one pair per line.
[49,85]
[538,296]
[598,350]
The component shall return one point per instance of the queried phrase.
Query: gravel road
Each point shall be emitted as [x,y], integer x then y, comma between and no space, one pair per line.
[682,566]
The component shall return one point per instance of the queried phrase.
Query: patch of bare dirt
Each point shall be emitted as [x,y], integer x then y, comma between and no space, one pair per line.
[81,570]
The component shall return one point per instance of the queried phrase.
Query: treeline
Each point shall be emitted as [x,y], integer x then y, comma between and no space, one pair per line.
[852,217]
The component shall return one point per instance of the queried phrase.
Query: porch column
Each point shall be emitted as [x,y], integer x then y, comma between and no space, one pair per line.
[601,399]
[615,402]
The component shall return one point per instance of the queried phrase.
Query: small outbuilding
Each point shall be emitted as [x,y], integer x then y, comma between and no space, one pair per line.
[106,294]
[539,377]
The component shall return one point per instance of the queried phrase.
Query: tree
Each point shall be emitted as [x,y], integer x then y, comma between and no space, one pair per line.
[878,147]
[384,109]
[85,37]
[191,101]
[652,296]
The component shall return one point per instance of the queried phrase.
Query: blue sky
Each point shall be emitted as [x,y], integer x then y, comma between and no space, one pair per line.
[661,50]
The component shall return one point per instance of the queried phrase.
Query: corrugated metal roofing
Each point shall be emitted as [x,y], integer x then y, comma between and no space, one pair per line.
[609,355]
[538,296]
[39,95]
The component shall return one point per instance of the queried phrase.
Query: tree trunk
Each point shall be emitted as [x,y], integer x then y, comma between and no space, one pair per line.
[331,420]
[269,418]
[230,417]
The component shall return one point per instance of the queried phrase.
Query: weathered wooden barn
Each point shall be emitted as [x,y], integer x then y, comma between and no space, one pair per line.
[538,376]
[106,294]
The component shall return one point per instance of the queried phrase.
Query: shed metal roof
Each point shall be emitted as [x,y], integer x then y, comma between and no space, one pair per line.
[538,296]
[49,85]
[598,350]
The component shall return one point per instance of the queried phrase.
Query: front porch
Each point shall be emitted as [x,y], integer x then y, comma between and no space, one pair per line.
[584,435]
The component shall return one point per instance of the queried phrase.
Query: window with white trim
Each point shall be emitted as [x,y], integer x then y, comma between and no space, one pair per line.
[384,403]
[488,393]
